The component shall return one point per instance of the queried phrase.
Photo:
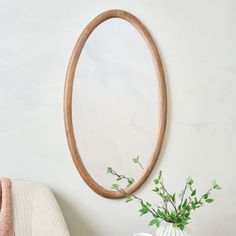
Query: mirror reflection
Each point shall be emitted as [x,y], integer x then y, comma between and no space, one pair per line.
[115,102]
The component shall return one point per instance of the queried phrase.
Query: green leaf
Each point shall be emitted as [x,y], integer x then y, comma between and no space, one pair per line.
[129,198]
[109,170]
[158,224]
[130,181]
[136,160]
[173,197]
[209,200]
[190,181]
[205,196]
[185,203]
[193,192]
[155,221]
[193,205]
[115,186]
[214,185]
[161,214]
[218,187]
[144,209]
[119,178]
[198,205]
[187,215]
[156,190]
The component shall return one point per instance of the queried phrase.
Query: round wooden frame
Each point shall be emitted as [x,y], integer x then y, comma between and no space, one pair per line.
[68,101]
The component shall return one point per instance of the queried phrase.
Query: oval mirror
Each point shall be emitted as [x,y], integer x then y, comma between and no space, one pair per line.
[115,103]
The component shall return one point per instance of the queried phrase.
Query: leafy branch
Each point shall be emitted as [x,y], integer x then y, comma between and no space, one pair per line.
[173,208]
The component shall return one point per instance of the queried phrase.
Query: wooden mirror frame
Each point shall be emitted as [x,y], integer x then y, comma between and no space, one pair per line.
[68,101]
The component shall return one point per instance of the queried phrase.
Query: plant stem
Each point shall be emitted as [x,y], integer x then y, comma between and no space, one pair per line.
[152,210]
[119,176]
[141,165]
[208,192]
[169,195]
[182,197]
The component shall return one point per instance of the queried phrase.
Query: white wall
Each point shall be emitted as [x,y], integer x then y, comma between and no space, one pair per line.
[197,41]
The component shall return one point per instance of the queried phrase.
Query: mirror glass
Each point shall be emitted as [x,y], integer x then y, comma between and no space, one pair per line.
[115,103]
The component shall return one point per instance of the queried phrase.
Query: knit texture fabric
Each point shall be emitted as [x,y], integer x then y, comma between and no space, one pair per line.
[36,211]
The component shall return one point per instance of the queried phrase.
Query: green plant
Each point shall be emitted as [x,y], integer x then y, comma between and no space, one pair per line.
[174,208]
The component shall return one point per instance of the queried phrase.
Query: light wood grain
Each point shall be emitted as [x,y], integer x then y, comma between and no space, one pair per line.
[68,101]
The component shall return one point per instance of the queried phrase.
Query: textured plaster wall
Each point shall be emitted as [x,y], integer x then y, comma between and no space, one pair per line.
[197,42]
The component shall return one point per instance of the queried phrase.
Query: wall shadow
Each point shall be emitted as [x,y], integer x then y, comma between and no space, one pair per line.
[74,220]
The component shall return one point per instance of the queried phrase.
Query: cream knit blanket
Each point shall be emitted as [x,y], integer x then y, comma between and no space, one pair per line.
[6,225]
